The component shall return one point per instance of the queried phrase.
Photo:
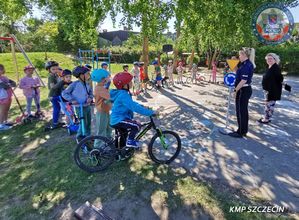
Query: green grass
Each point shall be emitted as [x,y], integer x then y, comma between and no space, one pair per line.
[38,59]
[39,178]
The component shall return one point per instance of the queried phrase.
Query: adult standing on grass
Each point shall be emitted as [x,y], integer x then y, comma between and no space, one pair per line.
[5,98]
[243,90]
[272,86]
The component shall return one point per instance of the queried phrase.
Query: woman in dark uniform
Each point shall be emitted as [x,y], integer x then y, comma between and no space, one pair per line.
[243,90]
[272,85]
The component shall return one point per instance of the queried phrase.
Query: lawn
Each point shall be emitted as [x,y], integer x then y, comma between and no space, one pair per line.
[39,178]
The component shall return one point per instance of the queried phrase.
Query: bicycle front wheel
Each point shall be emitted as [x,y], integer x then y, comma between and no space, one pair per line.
[94,153]
[150,85]
[164,147]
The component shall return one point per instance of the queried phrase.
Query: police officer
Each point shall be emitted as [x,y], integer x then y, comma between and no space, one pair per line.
[243,90]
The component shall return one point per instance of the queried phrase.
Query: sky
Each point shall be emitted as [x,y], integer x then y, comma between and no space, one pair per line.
[107,23]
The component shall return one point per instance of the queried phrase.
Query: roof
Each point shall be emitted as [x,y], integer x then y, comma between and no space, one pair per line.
[123,35]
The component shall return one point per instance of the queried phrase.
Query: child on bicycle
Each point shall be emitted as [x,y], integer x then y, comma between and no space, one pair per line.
[80,93]
[158,73]
[53,79]
[30,86]
[123,108]
[102,103]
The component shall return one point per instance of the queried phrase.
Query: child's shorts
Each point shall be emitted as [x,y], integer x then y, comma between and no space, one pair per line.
[159,78]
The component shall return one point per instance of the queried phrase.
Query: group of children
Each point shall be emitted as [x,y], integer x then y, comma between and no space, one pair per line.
[80,92]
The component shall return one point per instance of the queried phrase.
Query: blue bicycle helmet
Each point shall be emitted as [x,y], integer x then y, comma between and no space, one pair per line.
[98,74]
[104,64]
[66,72]
[77,71]
[155,62]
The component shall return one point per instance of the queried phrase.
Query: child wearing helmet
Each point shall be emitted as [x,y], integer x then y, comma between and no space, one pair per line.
[158,73]
[30,86]
[102,104]
[194,73]
[165,78]
[123,107]
[56,91]
[136,74]
[53,79]
[180,69]
[104,66]
[170,71]
[80,92]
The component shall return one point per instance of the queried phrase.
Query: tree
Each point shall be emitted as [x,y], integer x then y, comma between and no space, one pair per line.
[151,16]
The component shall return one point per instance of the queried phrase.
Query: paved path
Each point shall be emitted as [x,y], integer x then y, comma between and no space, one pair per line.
[265,164]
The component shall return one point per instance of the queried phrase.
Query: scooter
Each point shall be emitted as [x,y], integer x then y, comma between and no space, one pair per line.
[23,118]
[72,127]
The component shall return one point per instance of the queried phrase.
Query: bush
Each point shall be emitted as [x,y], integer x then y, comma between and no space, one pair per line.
[288,56]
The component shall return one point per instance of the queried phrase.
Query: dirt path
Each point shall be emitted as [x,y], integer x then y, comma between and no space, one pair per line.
[265,164]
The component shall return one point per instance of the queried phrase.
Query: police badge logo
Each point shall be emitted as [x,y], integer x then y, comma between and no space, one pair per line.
[272,23]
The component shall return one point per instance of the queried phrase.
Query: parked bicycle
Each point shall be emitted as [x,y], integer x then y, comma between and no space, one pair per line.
[96,153]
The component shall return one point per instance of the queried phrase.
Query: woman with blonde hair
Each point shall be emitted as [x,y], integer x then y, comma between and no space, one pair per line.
[272,86]
[243,90]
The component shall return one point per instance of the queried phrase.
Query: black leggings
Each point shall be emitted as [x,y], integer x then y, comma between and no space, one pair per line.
[131,125]
[242,100]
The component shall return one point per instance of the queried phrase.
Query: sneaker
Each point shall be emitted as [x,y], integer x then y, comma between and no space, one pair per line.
[132,143]
[4,127]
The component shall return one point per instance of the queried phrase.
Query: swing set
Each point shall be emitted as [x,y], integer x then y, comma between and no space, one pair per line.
[93,57]
[14,41]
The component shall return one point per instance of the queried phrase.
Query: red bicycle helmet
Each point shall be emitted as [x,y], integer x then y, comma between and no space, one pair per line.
[121,79]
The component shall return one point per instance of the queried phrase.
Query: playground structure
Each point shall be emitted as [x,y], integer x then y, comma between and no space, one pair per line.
[14,41]
[93,57]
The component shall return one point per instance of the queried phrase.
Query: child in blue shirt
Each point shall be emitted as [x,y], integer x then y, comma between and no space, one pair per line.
[123,108]
[80,92]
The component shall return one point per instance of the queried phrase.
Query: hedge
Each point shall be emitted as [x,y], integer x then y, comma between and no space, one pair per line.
[289,57]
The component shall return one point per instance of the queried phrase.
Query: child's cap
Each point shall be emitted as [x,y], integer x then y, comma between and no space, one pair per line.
[98,74]
[29,67]
[169,61]
[77,71]
[136,63]
[66,72]
[141,63]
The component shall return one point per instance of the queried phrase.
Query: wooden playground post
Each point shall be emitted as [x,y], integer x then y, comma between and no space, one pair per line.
[14,59]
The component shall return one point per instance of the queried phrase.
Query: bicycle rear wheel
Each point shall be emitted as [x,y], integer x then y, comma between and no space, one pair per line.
[164,147]
[149,85]
[95,153]
[188,80]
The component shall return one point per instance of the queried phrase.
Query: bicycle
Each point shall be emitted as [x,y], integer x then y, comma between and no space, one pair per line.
[163,148]
[152,84]
[198,78]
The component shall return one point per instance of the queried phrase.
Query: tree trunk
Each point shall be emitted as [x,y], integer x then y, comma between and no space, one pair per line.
[145,54]
[176,50]
[191,58]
